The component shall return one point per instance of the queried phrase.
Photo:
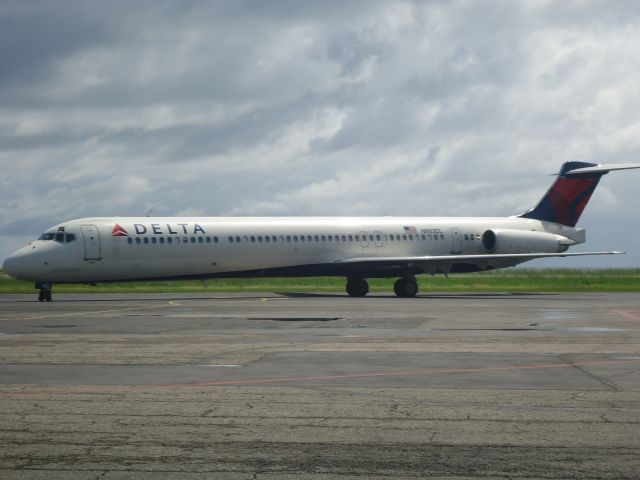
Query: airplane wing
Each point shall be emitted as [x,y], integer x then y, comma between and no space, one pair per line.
[446,263]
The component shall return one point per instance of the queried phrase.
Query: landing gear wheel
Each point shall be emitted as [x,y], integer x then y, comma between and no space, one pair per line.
[405,287]
[45,293]
[357,287]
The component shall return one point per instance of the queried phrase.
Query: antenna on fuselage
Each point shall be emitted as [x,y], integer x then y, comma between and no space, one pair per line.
[149,212]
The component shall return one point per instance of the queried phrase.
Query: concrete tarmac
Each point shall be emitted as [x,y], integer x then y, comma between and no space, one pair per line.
[278,386]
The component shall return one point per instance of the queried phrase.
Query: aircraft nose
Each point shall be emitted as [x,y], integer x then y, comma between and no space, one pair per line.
[10,266]
[21,264]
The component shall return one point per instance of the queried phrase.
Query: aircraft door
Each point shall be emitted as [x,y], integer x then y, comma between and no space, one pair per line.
[91,237]
[456,241]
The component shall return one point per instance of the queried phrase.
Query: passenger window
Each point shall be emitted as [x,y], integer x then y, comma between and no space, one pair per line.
[169,240]
[330,238]
[208,239]
[193,239]
[266,238]
[423,236]
[230,239]
[238,239]
[260,238]
[288,238]
[154,240]
[146,240]
[378,238]
[215,239]
[161,239]
[274,238]
[371,238]
[466,237]
[295,238]
[351,238]
[253,238]
[138,240]
[129,240]
[404,237]
[323,238]
[200,240]
[357,238]
[302,239]
[316,238]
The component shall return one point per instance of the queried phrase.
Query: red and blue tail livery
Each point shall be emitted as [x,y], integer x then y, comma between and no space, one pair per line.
[568,196]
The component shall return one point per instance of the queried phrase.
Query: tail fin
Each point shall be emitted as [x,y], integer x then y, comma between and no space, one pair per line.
[570,193]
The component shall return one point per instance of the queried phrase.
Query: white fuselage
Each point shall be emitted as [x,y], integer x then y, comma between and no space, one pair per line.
[141,248]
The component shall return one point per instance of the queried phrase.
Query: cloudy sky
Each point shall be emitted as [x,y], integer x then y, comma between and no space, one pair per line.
[316,108]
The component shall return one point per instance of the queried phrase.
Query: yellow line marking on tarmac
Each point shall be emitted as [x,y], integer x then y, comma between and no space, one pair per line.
[172,303]
[94,312]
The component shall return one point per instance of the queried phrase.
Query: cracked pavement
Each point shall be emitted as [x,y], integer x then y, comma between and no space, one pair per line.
[320,386]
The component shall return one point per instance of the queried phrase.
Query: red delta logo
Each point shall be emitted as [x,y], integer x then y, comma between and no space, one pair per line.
[118,231]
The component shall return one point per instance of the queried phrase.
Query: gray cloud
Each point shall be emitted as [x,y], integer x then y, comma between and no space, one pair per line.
[314,108]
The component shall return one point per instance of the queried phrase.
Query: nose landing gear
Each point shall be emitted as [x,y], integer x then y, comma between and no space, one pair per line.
[45,292]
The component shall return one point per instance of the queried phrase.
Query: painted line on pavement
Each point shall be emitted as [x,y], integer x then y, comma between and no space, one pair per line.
[317,378]
[627,315]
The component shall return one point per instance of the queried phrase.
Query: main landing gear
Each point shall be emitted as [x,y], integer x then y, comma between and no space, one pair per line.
[45,292]
[357,287]
[404,287]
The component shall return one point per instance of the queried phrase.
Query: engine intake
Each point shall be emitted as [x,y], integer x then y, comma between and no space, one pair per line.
[524,241]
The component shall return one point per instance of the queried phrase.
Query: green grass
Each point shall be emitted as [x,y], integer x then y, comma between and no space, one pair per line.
[514,280]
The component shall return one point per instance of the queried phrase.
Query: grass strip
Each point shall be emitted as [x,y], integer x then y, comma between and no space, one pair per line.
[514,280]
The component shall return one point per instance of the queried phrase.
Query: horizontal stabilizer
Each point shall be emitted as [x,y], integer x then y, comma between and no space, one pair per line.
[601,169]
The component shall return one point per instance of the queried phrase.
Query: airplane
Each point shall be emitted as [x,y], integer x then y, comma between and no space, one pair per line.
[109,249]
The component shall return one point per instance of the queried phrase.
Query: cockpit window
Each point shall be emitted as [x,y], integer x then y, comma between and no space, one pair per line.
[58,237]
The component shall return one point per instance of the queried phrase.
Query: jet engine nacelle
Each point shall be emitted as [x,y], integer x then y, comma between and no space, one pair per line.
[523,241]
